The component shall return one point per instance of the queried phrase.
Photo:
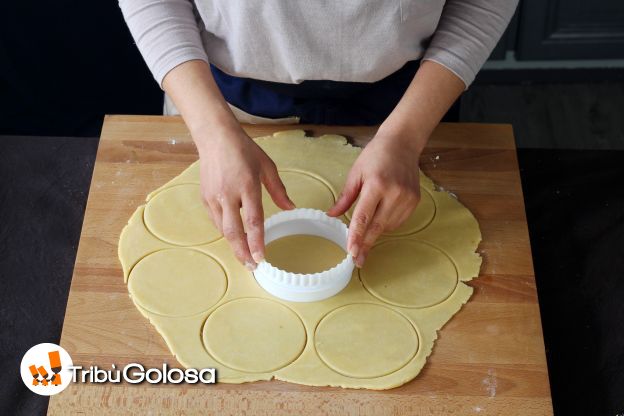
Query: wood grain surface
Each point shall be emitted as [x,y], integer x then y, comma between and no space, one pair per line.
[488,360]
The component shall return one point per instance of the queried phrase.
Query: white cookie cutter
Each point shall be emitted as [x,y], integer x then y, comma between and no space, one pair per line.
[298,287]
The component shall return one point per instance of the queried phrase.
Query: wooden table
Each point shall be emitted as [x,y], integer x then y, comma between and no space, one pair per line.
[489,359]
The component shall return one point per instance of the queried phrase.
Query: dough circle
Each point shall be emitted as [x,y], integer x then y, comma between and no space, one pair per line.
[177,215]
[254,335]
[365,340]
[194,277]
[409,273]
[305,190]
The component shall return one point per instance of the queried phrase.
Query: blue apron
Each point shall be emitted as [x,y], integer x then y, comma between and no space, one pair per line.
[321,102]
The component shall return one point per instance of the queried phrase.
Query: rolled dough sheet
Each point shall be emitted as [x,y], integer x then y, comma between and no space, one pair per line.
[377,333]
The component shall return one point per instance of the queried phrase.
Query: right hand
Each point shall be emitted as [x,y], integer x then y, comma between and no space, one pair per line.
[232,169]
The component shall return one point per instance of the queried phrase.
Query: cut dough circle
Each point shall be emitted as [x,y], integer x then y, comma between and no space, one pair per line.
[194,277]
[304,189]
[254,335]
[365,340]
[177,215]
[409,273]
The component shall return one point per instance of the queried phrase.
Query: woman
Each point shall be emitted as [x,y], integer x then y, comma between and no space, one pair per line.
[400,63]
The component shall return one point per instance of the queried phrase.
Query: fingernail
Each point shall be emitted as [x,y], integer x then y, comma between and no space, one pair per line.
[257,256]
[354,251]
[292,204]
[251,266]
[359,262]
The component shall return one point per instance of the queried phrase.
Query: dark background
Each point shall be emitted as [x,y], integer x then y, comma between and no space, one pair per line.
[65,64]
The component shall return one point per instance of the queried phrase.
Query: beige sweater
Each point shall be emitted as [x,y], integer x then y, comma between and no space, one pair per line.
[291,41]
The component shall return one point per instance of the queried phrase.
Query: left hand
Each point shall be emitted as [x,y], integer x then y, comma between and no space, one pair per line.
[386,178]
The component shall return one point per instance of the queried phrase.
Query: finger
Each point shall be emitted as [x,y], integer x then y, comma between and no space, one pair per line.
[362,216]
[235,235]
[205,200]
[216,215]
[274,185]
[399,216]
[207,206]
[376,227]
[254,222]
[400,212]
[397,219]
[348,195]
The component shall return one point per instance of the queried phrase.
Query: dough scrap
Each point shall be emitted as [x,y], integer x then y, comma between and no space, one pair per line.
[377,333]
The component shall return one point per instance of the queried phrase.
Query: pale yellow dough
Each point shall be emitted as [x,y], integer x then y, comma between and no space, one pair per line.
[191,226]
[377,333]
[305,254]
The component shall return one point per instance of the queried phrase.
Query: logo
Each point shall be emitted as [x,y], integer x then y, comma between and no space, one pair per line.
[46,369]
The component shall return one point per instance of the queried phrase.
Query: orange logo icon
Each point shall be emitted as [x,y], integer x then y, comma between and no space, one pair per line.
[55,366]
[45,369]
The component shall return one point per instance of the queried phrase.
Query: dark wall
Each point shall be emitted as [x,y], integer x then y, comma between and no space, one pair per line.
[572,29]
[64,64]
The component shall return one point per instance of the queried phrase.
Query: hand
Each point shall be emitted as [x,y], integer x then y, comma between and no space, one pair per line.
[232,168]
[386,178]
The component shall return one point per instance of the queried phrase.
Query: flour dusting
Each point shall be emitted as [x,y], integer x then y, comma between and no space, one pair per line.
[490,383]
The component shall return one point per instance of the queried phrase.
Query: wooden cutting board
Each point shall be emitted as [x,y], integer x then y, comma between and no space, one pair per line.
[489,359]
